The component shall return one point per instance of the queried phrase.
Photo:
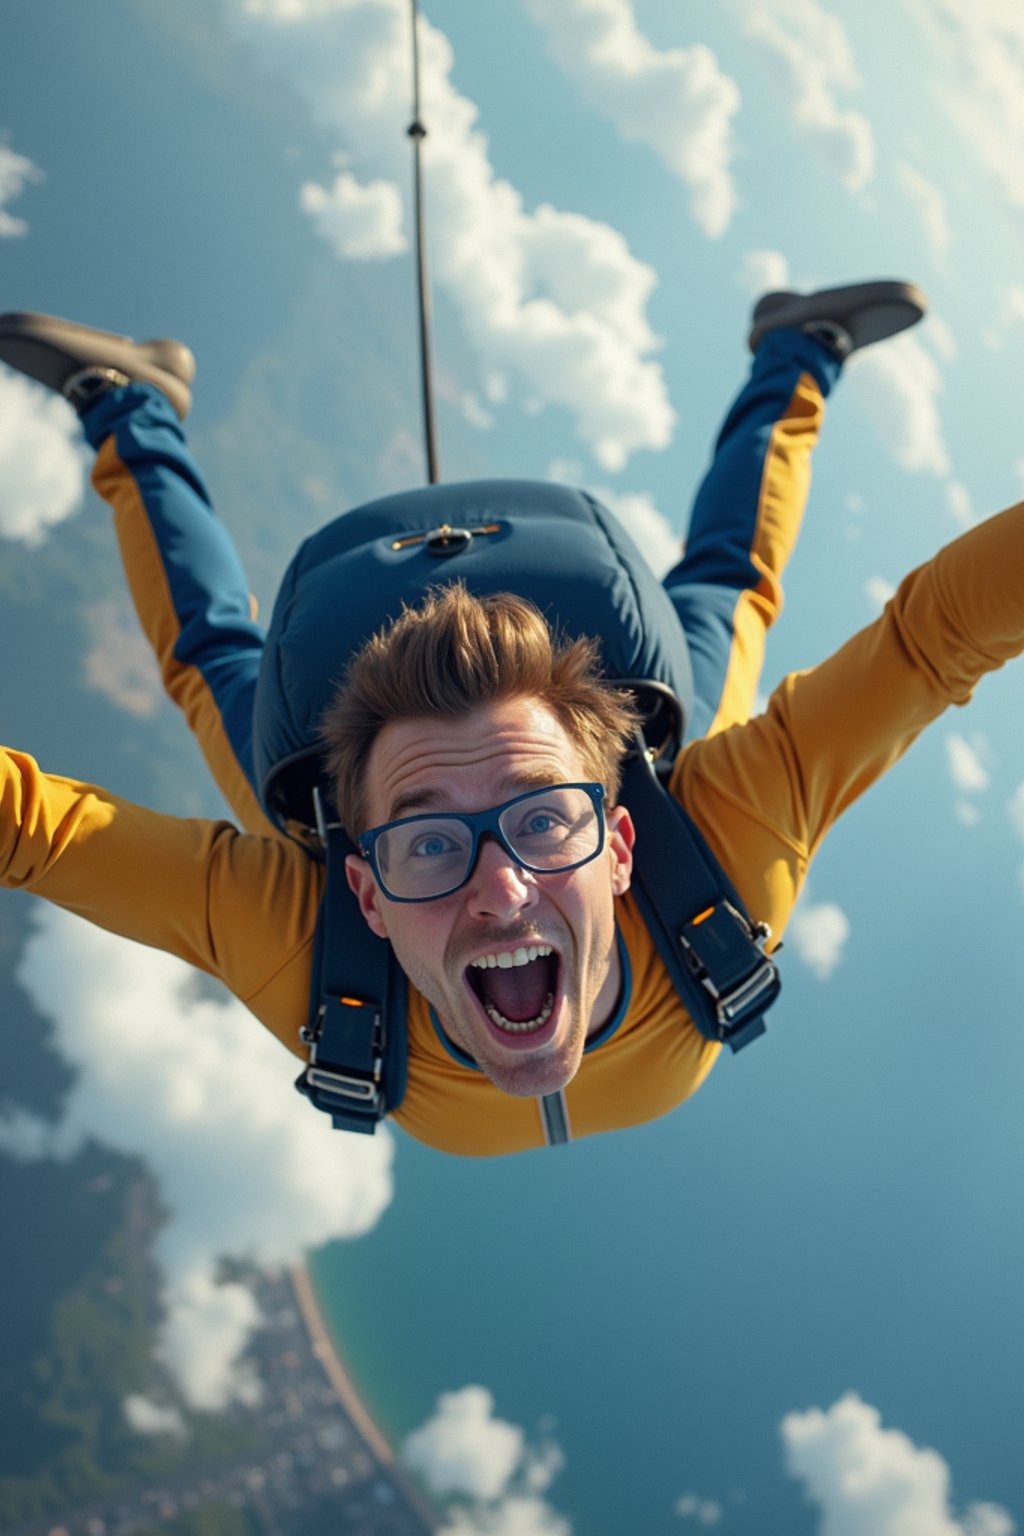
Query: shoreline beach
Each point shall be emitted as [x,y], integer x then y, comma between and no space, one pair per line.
[326,1352]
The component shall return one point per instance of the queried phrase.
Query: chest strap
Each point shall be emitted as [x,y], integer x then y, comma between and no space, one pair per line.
[356,1029]
[712,949]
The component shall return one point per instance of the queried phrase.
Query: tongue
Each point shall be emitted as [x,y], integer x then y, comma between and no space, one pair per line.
[520,992]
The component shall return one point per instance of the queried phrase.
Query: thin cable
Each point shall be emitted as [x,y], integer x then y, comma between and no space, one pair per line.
[417,132]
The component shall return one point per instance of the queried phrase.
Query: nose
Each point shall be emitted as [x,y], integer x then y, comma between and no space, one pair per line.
[498,886]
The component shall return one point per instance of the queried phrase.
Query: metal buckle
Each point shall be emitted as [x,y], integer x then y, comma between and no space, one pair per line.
[731,1005]
[345,1087]
[736,1002]
[446,541]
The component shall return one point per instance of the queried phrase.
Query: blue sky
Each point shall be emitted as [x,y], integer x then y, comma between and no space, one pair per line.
[825,1247]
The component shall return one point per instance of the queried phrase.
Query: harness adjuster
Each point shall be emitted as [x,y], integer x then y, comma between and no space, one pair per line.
[363,1091]
[749,995]
[719,945]
[345,1075]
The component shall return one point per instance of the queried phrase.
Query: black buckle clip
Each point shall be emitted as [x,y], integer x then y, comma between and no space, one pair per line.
[717,944]
[346,1063]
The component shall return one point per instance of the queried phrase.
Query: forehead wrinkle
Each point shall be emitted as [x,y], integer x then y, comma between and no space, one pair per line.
[421,762]
[439,798]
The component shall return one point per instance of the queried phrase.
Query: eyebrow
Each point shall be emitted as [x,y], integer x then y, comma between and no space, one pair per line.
[438,799]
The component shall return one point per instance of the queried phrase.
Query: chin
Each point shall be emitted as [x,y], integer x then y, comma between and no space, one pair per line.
[532,1077]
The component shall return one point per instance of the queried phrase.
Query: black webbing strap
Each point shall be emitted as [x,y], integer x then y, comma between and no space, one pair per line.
[713,951]
[356,1030]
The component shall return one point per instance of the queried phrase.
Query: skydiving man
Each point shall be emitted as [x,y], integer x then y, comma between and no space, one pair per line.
[466,745]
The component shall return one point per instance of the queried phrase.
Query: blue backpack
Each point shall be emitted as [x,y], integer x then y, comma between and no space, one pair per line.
[567,553]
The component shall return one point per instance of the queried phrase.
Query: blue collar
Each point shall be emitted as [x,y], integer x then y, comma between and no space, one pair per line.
[602,1036]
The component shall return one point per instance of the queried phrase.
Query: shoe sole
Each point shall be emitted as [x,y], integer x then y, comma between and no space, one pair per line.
[868,312]
[52,351]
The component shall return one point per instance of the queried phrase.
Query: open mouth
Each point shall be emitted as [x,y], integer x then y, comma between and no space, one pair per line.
[518,989]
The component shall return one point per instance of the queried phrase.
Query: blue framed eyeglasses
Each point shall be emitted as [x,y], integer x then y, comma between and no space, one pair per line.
[546,831]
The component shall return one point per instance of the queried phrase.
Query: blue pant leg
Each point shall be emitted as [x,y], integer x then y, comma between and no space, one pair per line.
[718,564]
[199,617]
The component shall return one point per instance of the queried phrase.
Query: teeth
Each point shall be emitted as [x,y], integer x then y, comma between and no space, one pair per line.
[521,1026]
[509,958]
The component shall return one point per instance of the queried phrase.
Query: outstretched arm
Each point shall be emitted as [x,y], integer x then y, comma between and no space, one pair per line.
[767,792]
[241,907]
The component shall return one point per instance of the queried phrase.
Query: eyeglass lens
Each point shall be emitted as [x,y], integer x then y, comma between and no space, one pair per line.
[553,829]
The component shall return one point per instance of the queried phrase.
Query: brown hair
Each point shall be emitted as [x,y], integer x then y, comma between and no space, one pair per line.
[453,653]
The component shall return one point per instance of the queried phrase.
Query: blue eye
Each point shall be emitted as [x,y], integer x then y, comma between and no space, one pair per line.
[431,846]
[540,823]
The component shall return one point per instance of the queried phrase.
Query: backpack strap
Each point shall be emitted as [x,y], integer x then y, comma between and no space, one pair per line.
[712,949]
[356,1029]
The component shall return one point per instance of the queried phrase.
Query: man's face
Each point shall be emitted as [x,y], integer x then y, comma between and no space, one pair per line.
[469,765]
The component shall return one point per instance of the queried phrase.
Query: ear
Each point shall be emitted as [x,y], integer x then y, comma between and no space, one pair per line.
[621,840]
[361,882]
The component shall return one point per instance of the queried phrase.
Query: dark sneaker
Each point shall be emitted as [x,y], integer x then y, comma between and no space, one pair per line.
[81,363]
[843,318]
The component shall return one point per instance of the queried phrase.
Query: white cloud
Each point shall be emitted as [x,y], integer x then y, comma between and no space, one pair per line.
[200,1090]
[676,100]
[363,223]
[1009,316]
[475,412]
[763,272]
[517,1515]
[937,334]
[1011,304]
[650,530]
[899,385]
[42,459]
[208,1324]
[958,500]
[550,299]
[541,1466]
[149,1418]
[24,1137]
[1015,808]
[808,50]
[980,49]
[879,591]
[818,933]
[929,204]
[967,813]
[706,1512]
[965,760]
[463,1450]
[16,171]
[119,662]
[870,1481]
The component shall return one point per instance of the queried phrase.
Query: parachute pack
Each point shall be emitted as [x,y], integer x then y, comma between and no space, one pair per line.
[567,553]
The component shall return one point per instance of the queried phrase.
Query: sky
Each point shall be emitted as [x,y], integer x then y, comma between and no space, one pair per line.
[794,1304]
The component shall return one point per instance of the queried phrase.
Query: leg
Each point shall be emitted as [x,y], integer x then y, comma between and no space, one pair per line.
[185,578]
[746,518]
[745,522]
[188,585]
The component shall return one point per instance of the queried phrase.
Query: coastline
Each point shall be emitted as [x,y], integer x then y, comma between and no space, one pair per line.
[326,1352]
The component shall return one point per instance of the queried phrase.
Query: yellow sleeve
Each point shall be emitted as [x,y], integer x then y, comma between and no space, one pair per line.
[239,906]
[767,792]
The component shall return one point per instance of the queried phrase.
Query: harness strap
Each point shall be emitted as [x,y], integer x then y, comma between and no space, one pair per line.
[356,1029]
[714,952]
